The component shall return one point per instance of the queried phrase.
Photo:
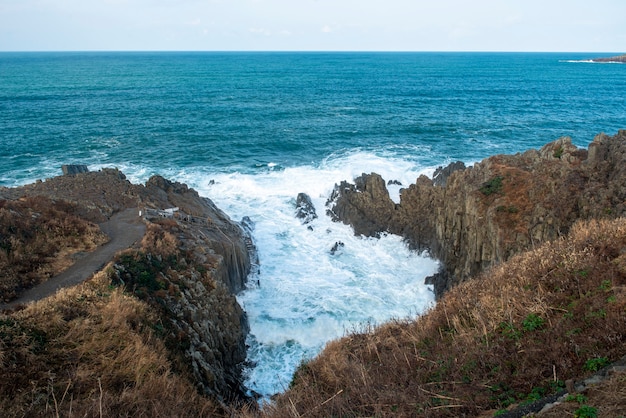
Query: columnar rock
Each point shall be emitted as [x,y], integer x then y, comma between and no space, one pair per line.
[486,213]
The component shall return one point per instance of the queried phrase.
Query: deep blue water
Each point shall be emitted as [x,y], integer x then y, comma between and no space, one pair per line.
[252,130]
[239,111]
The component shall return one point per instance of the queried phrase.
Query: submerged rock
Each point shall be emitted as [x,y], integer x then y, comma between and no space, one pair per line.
[305,210]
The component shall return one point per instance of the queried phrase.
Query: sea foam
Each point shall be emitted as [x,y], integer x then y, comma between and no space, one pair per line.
[305,294]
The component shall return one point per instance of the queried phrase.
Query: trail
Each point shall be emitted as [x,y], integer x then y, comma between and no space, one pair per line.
[124,228]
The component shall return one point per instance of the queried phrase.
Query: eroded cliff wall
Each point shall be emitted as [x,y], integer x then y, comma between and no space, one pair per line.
[188,268]
[484,214]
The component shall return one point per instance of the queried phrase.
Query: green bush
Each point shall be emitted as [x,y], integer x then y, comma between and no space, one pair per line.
[492,186]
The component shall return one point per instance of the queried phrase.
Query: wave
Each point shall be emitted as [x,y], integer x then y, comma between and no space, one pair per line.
[305,294]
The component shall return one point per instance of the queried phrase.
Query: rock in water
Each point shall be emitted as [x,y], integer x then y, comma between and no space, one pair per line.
[72,169]
[440,177]
[365,205]
[337,247]
[305,209]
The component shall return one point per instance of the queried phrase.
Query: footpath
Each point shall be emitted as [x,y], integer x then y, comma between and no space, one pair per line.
[123,228]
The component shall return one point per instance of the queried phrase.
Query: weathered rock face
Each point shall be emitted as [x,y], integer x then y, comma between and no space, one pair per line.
[441,174]
[501,206]
[365,205]
[189,271]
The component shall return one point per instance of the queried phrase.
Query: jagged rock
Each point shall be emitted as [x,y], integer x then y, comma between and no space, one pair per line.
[213,261]
[503,205]
[440,177]
[394,183]
[366,205]
[337,247]
[305,210]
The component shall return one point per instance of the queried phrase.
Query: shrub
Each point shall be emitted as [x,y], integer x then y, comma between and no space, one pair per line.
[595,364]
[492,186]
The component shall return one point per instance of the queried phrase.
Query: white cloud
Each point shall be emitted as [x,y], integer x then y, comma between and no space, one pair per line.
[260,31]
[326,29]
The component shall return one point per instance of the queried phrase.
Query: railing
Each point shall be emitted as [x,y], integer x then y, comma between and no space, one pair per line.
[174,213]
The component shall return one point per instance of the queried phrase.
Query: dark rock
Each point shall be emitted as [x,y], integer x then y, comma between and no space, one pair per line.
[619,58]
[440,177]
[541,193]
[72,169]
[366,205]
[337,247]
[305,209]
[248,227]
[394,183]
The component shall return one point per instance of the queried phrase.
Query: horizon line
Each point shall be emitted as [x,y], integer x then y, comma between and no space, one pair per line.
[300,51]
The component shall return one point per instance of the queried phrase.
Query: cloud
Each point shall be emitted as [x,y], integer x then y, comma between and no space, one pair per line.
[326,29]
[260,31]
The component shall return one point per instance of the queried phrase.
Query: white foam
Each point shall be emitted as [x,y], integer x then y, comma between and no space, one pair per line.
[308,296]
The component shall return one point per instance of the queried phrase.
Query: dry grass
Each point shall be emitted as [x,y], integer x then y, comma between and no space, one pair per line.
[515,333]
[38,237]
[90,351]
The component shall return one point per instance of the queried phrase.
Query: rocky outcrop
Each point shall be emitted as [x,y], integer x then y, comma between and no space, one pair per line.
[305,210]
[365,205]
[486,213]
[441,174]
[619,58]
[189,271]
[72,169]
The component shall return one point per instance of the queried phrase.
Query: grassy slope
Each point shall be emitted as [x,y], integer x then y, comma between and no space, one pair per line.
[518,332]
[100,349]
[37,239]
[90,351]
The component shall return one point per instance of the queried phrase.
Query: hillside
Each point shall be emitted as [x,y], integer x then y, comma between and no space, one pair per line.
[518,332]
[531,297]
[156,332]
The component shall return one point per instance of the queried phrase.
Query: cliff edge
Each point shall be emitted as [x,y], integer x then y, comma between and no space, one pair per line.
[482,215]
[182,275]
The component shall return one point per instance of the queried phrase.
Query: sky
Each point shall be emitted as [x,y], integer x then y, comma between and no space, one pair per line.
[313,25]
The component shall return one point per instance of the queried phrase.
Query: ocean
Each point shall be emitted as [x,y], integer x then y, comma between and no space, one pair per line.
[252,130]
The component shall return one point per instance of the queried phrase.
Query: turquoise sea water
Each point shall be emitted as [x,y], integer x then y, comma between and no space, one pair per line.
[252,130]
[240,111]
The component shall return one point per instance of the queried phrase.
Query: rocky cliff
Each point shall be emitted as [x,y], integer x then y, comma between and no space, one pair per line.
[188,268]
[482,215]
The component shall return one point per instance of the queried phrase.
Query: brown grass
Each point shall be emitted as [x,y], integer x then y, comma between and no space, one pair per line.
[511,335]
[38,237]
[90,351]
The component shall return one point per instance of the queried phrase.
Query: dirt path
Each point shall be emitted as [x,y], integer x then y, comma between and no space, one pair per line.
[123,228]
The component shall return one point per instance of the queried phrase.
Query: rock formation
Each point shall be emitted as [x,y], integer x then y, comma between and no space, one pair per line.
[484,214]
[189,271]
[305,210]
[619,58]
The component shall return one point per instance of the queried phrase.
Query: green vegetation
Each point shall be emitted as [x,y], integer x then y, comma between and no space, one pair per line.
[533,322]
[492,186]
[558,152]
[586,412]
[595,364]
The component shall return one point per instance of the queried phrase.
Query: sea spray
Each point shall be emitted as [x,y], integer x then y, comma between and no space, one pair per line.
[306,293]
